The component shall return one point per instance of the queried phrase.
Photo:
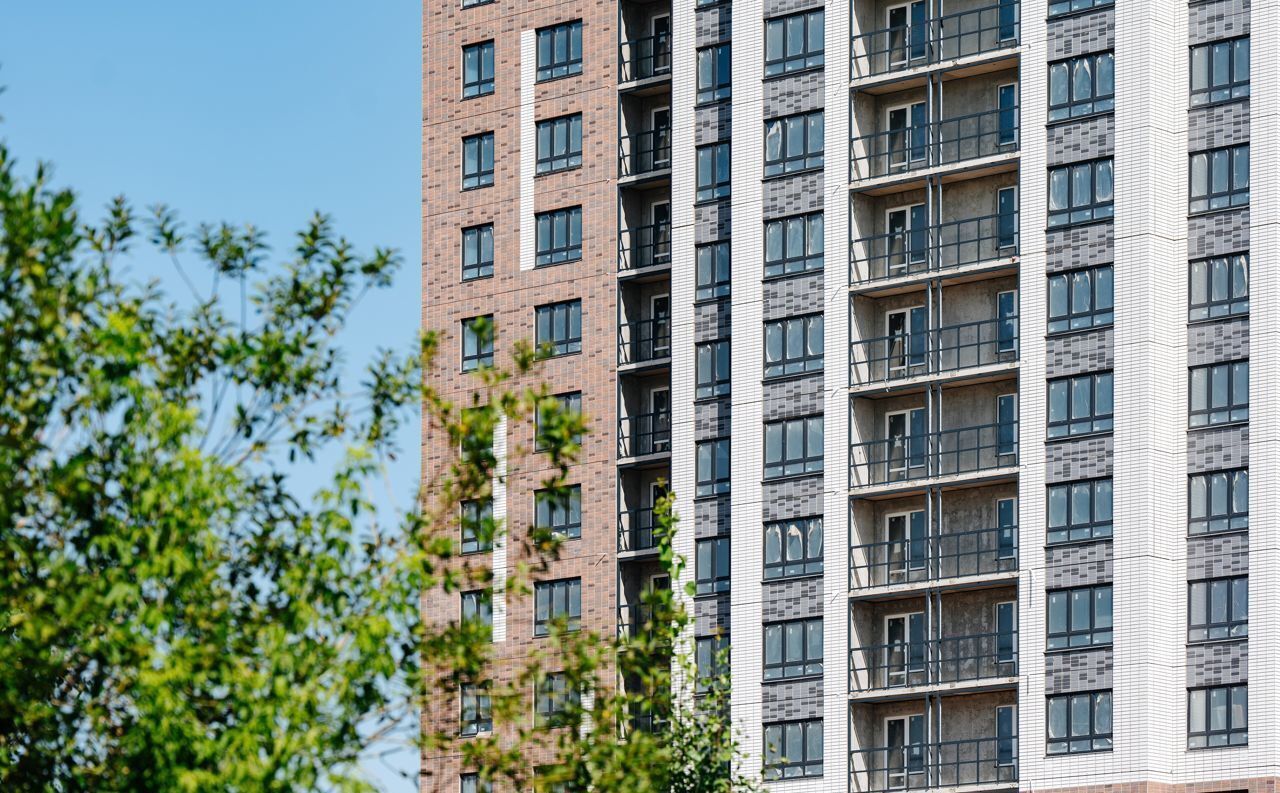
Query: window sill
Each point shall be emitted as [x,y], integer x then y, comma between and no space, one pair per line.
[1221,425]
[1228,640]
[1085,648]
[555,355]
[786,378]
[1059,334]
[1080,225]
[768,279]
[797,172]
[1223,532]
[768,78]
[1049,756]
[1079,12]
[711,301]
[1076,543]
[477,96]
[787,578]
[708,498]
[1080,436]
[710,595]
[568,169]
[791,477]
[1062,122]
[1191,323]
[476,187]
[702,202]
[711,400]
[466,280]
[1216,748]
[726,101]
[1219,211]
[797,679]
[544,80]
[550,265]
[1220,102]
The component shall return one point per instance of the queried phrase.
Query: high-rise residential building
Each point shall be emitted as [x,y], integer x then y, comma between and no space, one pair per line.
[953,326]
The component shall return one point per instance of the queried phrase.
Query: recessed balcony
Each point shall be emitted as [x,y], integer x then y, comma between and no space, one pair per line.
[644,342]
[989,763]
[958,559]
[645,155]
[636,531]
[912,456]
[913,147]
[909,668]
[645,248]
[912,248]
[644,61]
[913,355]
[644,437]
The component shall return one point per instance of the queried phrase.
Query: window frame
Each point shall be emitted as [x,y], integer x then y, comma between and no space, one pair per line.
[807,57]
[552,699]
[568,402]
[713,369]
[721,85]
[1234,88]
[778,765]
[1210,415]
[1235,483]
[556,69]
[779,235]
[483,512]
[481,86]
[1234,268]
[1233,734]
[1096,102]
[1092,527]
[1234,196]
[470,782]
[552,159]
[480,604]
[781,363]
[572,620]
[783,162]
[716,656]
[552,220]
[721,183]
[1230,624]
[480,178]
[553,344]
[715,266]
[719,480]
[1072,427]
[1079,214]
[811,562]
[712,570]
[1095,316]
[560,513]
[810,460]
[786,666]
[1100,630]
[476,694]
[477,349]
[473,250]
[1062,8]
[1097,740]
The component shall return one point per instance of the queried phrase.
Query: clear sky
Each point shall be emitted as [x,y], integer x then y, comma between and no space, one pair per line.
[236,110]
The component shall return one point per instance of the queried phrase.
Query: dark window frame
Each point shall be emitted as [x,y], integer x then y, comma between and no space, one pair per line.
[1080,528]
[720,85]
[1202,378]
[1097,314]
[781,258]
[1234,696]
[1222,612]
[779,564]
[781,362]
[713,369]
[480,85]
[566,221]
[778,764]
[474,242]
[473,513]
[1060,8]
[1099,99]
[1225,287]
[1215,197]
[785,664]
[1079,739]
[716,481]
[713,265]
[1100,628]
[560,316]
[552,699]
[555,141]
[481,176]
[711,661]
[471,782]
[712,569]
[475,709]
[1095,421]
[720,183]
[1232,87]
[545,594]
[794,462]
[810,55]
[784,130]
[566,402]
[559,510]
[477,604]
[477,346]
[1228,488]
[1075,212]
[546,41]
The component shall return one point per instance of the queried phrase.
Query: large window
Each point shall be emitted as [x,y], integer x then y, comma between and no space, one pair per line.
[477,709]
[1217,716]
[1219,71]
[711,566]
[1081,299]
[1080,193]
[1219,179]
[712,369]
[559,510]
[477,525]
[1060,7]
[793,143]
[793,649]
[1080,405]
[793,749]
[554,699]
[793,43]
[715,80]
[1079,617]
[1218,501]
[712,467]
[557,602]
[711,659]
[713,271]
[1219,393]
[550,415]
[1218,608]
[477,69]
[560,50]
[1079,511]
[559,236]
[559,143]
[1081,86]
[559,327]
[477,343]
[477,161]
[477,609]
[792,548]
[793,244]
[477,252]
[1219,287]
[792,447]
[1079,722]
[714,176]
[793,346]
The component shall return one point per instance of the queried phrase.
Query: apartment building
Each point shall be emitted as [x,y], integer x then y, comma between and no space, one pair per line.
[952,325]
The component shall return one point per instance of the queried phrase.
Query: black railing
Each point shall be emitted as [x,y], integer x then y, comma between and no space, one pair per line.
[645,57]
[644,340]
[951,348]
[948,452]
[919,766]
[635,620]
[644,434]
[939,247]
[636,530]
[950,555]
[965,33]
[953,659]
[946,142]
[644,152]
[644,246]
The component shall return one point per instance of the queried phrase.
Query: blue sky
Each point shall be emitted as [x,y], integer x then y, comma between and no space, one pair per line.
[239,110]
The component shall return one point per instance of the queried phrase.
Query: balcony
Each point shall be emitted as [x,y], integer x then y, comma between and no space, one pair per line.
[940,248]
[974,554]
[644,247]
[644,155]
[968,662]
[644,341]
[889,462]
[635,621]
[644,435]
[903,153]
[636,530]
[903,49]
[644,59]
[988,762]
[953,349]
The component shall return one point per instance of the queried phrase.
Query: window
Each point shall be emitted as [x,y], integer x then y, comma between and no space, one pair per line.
[1079,722]
[1007,322]
[713,467]
[793,346]
[560,50]
[1081,299]
[714,74]
[1218,501]
[477,709]
[793,43]
[1217,716]
[792,548]
[554,698]
[559,236]
[1079,617]
[1080,405]
[473,3]
[1219,287]
[1080,193]
[793,143]
[477,69]
[477,252]
[793,245]
[1218,608]
[559,143]
[1007,104]
[793,447]
[477,526]
[559,327]
[1081,86]
[1219,71]
[1219,179]
[476,445]
[559,511]
[1059,7]
[477,161]
[557,601]
[472,783]
[712,271]
[713,171]
[1007,218]
[550,416]
[1079,511]
[793,749]
[477,608]
[713,373]
[712,565]
[793,649]
[477,343]
[711,658]
[1219,393]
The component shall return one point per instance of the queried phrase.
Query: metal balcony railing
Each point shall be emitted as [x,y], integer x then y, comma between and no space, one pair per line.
[924,41]
[933,248]
[934,143]
[644,246]
[955,451]
[920,766]
[644,434]
[644,340]
[951,348]
[635,620]
[953,659]
[951,555]
[635,530]
[644,152]
[645,57]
